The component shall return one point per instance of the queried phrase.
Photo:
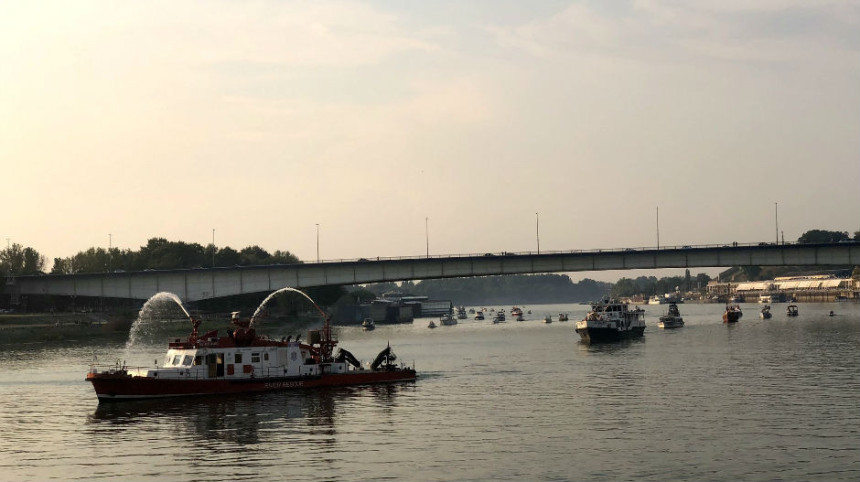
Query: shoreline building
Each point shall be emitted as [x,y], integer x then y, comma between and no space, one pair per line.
[821,287]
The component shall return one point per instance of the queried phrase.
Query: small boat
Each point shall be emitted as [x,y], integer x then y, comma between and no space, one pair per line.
[733,314]
[765,313]
[562,317]
[368,324]
[609,321]
[791,310]
[244,362]
[520,317]
[461,313]
[672,319]
[516,311]
[431,324]
[479,315]
[832,313]
[500,317]
[447,320]
[547,319]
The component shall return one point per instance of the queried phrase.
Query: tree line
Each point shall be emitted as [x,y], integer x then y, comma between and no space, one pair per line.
[651,285]
[157,254]
[530,289]
[824,236]
[539,288]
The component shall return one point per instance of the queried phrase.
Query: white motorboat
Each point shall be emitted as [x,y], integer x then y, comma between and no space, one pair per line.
[609,321]
[447,320]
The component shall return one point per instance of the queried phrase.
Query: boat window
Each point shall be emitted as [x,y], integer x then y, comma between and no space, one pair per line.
[176,360]
[266,356]
[255,358]
[237,358]
[187,360]
[198,360]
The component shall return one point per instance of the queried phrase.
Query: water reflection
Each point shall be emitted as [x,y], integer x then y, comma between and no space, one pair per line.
[610,348]
[244,419]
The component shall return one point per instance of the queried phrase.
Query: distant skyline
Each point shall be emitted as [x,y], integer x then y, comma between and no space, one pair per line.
[402,126]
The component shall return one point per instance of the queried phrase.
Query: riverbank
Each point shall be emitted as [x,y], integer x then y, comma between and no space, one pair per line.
[60,326]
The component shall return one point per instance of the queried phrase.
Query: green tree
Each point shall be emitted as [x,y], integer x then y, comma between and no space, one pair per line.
[16,260]
[751,272]
[702,281]
[284,257]
[361,295]
[160,253]
[227,256]
[61,266]
[822,236]
[624,287]
[253,256]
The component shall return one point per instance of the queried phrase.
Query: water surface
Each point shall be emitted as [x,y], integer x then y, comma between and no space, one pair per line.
[759,400]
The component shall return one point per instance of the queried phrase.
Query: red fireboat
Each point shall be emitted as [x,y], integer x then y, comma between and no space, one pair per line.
[243,361]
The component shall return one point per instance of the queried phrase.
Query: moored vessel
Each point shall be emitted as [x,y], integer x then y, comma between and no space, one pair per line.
[245,362]
[611,320]
[791,310]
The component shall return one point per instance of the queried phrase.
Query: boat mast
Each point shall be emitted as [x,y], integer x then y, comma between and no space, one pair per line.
[327,344]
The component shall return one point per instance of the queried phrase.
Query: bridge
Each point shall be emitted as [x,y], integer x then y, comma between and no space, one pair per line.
[207,283]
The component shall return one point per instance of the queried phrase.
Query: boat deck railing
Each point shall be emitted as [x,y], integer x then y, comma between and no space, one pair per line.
[192,373]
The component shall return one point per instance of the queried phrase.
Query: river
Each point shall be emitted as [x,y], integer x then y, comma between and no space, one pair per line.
[759,400]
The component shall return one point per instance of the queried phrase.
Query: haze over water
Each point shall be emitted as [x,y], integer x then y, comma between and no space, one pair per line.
[760,400]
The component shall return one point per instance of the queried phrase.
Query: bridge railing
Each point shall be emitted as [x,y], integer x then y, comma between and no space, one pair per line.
[476,255]
[552,252]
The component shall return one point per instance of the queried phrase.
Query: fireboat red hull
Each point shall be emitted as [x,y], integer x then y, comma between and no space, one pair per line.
[123,386]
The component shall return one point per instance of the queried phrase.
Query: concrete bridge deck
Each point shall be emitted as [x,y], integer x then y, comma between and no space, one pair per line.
[206,283]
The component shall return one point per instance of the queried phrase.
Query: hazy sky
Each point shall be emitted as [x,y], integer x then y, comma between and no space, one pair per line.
[261,119]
